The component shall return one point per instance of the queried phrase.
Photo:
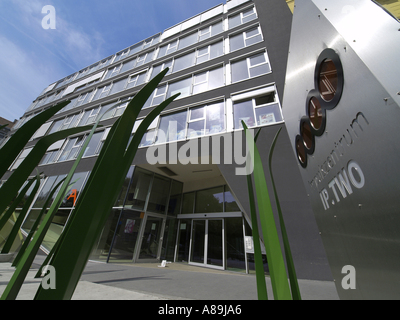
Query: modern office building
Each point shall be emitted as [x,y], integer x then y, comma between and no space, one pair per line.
[229,64]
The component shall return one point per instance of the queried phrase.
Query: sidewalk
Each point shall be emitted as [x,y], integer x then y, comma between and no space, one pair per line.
[177,281]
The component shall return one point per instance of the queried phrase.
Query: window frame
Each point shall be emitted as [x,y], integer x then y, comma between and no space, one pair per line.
[253,96]
[249,66]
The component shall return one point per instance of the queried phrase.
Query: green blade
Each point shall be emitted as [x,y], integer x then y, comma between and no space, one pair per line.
[260,275]
[21,217]
[20,138]
[92,211]
[279,280]
[294,285]
[20,175]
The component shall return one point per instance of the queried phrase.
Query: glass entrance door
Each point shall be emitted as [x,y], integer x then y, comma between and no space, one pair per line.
[151,240]
[207,245]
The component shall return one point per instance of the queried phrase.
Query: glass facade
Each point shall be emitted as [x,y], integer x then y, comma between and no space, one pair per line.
[66,208]
[153,219]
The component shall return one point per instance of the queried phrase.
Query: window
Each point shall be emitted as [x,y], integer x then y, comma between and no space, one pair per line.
[69,122]
[121,55]
[157,69]
[188,40]
[56,126]
[93,144]
[83,98]
[250,67]
[149,42]
[113,71]
[193,122]
[135,48]
[183,86]
[208,80]
[184,62]
[209,200]
[103,139]
[136,79]
[159,194]
[210,52]
[89,116]
[172,127]
[242,17]
[197,83]
[105,62]
[144,58]
[114,112]
[83,73]
[148,138]
[42,130]
[71,148]
[128,65]
[210,31]
[102,92]
[52,152]
[167,49]
[260,110]
[245,39]
[118,86]
[212,200]
[21,158]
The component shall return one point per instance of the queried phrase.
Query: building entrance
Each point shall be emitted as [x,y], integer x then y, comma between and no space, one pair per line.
[206,243]
[151,239]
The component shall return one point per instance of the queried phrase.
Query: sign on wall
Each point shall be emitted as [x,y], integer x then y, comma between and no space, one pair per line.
[342,112]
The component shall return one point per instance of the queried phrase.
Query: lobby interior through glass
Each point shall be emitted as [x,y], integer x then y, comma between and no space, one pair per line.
[153,221]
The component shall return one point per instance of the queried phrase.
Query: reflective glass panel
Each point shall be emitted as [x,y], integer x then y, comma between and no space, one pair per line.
[151,238]
[235,254]
[126,235]
[138,190]
[215,118]
[159,195]
[93,144]
[188,40]
[243,111]
[239,70]
[172,127]
[184,62]
[230,202]
[215,243]
[188,203]
[174,204]
[183,86]
[209,200]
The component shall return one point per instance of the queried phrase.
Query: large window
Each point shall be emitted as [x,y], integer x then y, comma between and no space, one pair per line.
[21,158]
[89,116]
[112,72]
[187,40]
[245,39]
[71,148]
[262,109]
[118,85]
[210,52]
[212,200]
[193,122]
[250,67]
[245,16]
[136,79]
[184,62]
[102,92]
[172,127]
